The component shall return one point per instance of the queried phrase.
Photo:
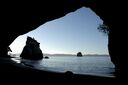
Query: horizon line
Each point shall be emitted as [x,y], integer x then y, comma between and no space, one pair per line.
[65,54]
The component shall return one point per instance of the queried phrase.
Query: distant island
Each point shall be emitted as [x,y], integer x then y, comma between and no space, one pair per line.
[79,54]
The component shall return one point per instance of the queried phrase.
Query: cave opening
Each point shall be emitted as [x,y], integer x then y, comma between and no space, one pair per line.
[77,31]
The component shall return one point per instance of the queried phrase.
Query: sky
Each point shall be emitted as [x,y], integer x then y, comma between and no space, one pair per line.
[76,31]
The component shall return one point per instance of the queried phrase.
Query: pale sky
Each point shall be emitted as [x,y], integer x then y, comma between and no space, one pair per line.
[77,31]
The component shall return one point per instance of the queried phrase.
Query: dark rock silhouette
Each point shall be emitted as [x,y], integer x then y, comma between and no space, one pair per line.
[79,54]
[21,17]
[32,50]
[9,49]
[46,57]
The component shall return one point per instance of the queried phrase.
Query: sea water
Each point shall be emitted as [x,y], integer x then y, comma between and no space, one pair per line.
[89,65]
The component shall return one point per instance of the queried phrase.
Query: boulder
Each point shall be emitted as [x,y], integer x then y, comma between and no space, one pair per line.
[79,54]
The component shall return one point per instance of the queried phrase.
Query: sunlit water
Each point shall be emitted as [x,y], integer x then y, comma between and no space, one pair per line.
[92,65]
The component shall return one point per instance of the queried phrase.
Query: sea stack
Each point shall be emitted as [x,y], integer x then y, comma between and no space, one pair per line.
[32,50]
[79,54]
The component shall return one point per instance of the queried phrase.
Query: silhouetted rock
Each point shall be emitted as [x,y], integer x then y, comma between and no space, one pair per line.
[32,50]
[79,54]
[46,57]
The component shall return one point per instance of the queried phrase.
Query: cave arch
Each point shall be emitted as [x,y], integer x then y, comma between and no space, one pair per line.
[27,18]
[59,21]
[74,25]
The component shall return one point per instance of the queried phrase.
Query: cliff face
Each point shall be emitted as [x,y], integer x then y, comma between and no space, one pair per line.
[18,18]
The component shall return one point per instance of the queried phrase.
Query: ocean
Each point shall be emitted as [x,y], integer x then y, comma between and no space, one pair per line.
[86,65]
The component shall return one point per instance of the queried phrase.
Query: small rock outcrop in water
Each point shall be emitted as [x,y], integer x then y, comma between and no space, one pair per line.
[79,54]
[46,57]
[32,50]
